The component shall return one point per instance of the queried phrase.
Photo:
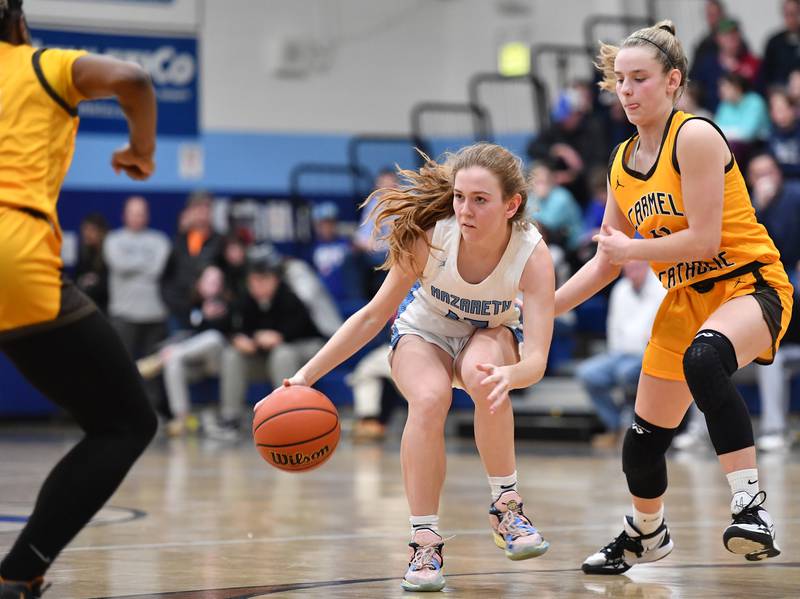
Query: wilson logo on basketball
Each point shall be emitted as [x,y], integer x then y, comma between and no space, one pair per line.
[299,458]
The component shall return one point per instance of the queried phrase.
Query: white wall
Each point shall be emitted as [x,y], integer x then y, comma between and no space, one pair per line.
[174,16]
[371,60]
[384,56]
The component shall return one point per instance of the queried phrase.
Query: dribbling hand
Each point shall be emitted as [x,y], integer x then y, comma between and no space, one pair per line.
[500,378]
[137,165]
[297,379]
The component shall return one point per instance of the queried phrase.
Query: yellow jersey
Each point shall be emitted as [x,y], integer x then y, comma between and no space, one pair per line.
[653,204]
[38,123]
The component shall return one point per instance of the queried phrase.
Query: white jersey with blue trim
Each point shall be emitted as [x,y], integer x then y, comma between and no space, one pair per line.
[445,304]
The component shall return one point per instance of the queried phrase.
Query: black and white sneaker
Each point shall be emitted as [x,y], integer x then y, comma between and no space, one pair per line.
[752,532]
[629,548]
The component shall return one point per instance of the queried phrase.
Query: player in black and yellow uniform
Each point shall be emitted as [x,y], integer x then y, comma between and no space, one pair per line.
[51,331]
[729,301]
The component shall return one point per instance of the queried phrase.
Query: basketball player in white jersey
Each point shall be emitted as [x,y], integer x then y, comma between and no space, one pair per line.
[460,253]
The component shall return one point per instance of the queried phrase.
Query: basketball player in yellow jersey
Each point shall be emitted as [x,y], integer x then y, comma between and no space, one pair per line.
[677,184]
[52,332]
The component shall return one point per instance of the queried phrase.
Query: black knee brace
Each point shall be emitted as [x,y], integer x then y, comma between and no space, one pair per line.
[708,365]
[643,459]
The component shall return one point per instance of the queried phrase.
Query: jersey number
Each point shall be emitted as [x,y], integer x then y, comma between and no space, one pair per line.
[479,324]
[661,232]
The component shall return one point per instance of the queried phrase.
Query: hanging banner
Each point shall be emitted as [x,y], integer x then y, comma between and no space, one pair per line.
[171,62]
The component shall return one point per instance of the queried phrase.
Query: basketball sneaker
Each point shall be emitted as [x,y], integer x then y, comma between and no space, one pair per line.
[629,548]
[512,529]
[425,564]
[22,590]
[752,532]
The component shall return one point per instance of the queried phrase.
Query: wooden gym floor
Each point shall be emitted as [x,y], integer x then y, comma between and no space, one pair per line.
[200,520]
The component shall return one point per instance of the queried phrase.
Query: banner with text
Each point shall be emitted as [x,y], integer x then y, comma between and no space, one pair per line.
[172,63]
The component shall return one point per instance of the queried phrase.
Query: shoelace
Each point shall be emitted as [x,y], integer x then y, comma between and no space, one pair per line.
[749,513]
[423,555]
[515,525]
[615,549]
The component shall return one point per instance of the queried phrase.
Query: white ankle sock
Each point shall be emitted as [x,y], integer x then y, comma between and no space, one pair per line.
[500,484]
[648,523]
[419,522]
[742,481]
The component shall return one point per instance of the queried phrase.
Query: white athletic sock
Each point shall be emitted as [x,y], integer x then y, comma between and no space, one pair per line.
[500,484]
[648,523]
[418,522]
[744,486]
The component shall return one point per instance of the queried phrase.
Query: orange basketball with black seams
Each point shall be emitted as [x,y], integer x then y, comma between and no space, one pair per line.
[296,429]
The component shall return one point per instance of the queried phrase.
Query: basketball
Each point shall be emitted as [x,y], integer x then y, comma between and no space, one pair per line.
[296,428]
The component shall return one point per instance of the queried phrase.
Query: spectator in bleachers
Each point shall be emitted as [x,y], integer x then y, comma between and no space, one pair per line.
[777,205]
[593,215]
[554,208]
[200,354]
[742,116]
[784,138]
[733,57]
[782,54]
[714,13]
[233,262]
[136,256]
[333,255]
[574,142]
[195,246]
[633,304]
[305,283]
[91,272]
[273,335]
[367,242]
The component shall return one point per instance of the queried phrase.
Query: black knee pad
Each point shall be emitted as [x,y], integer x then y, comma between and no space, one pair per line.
[643,458]
[708,365]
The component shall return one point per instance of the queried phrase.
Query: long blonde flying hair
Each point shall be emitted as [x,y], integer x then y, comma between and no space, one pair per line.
[425,196]
[660,38]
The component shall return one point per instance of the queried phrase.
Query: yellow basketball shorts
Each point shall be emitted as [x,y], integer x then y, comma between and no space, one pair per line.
[684,310]
[34,295]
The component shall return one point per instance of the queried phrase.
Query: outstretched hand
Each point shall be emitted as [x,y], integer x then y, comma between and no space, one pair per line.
[499,377]
[612,244]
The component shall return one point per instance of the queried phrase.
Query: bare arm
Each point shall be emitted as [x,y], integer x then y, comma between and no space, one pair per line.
[702,156]
[101,77]
[597,272]
[538,291]
[364,324]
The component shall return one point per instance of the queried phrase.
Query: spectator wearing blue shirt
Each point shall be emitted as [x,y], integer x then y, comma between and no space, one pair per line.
[332,254]
[554,208]
[742,115]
